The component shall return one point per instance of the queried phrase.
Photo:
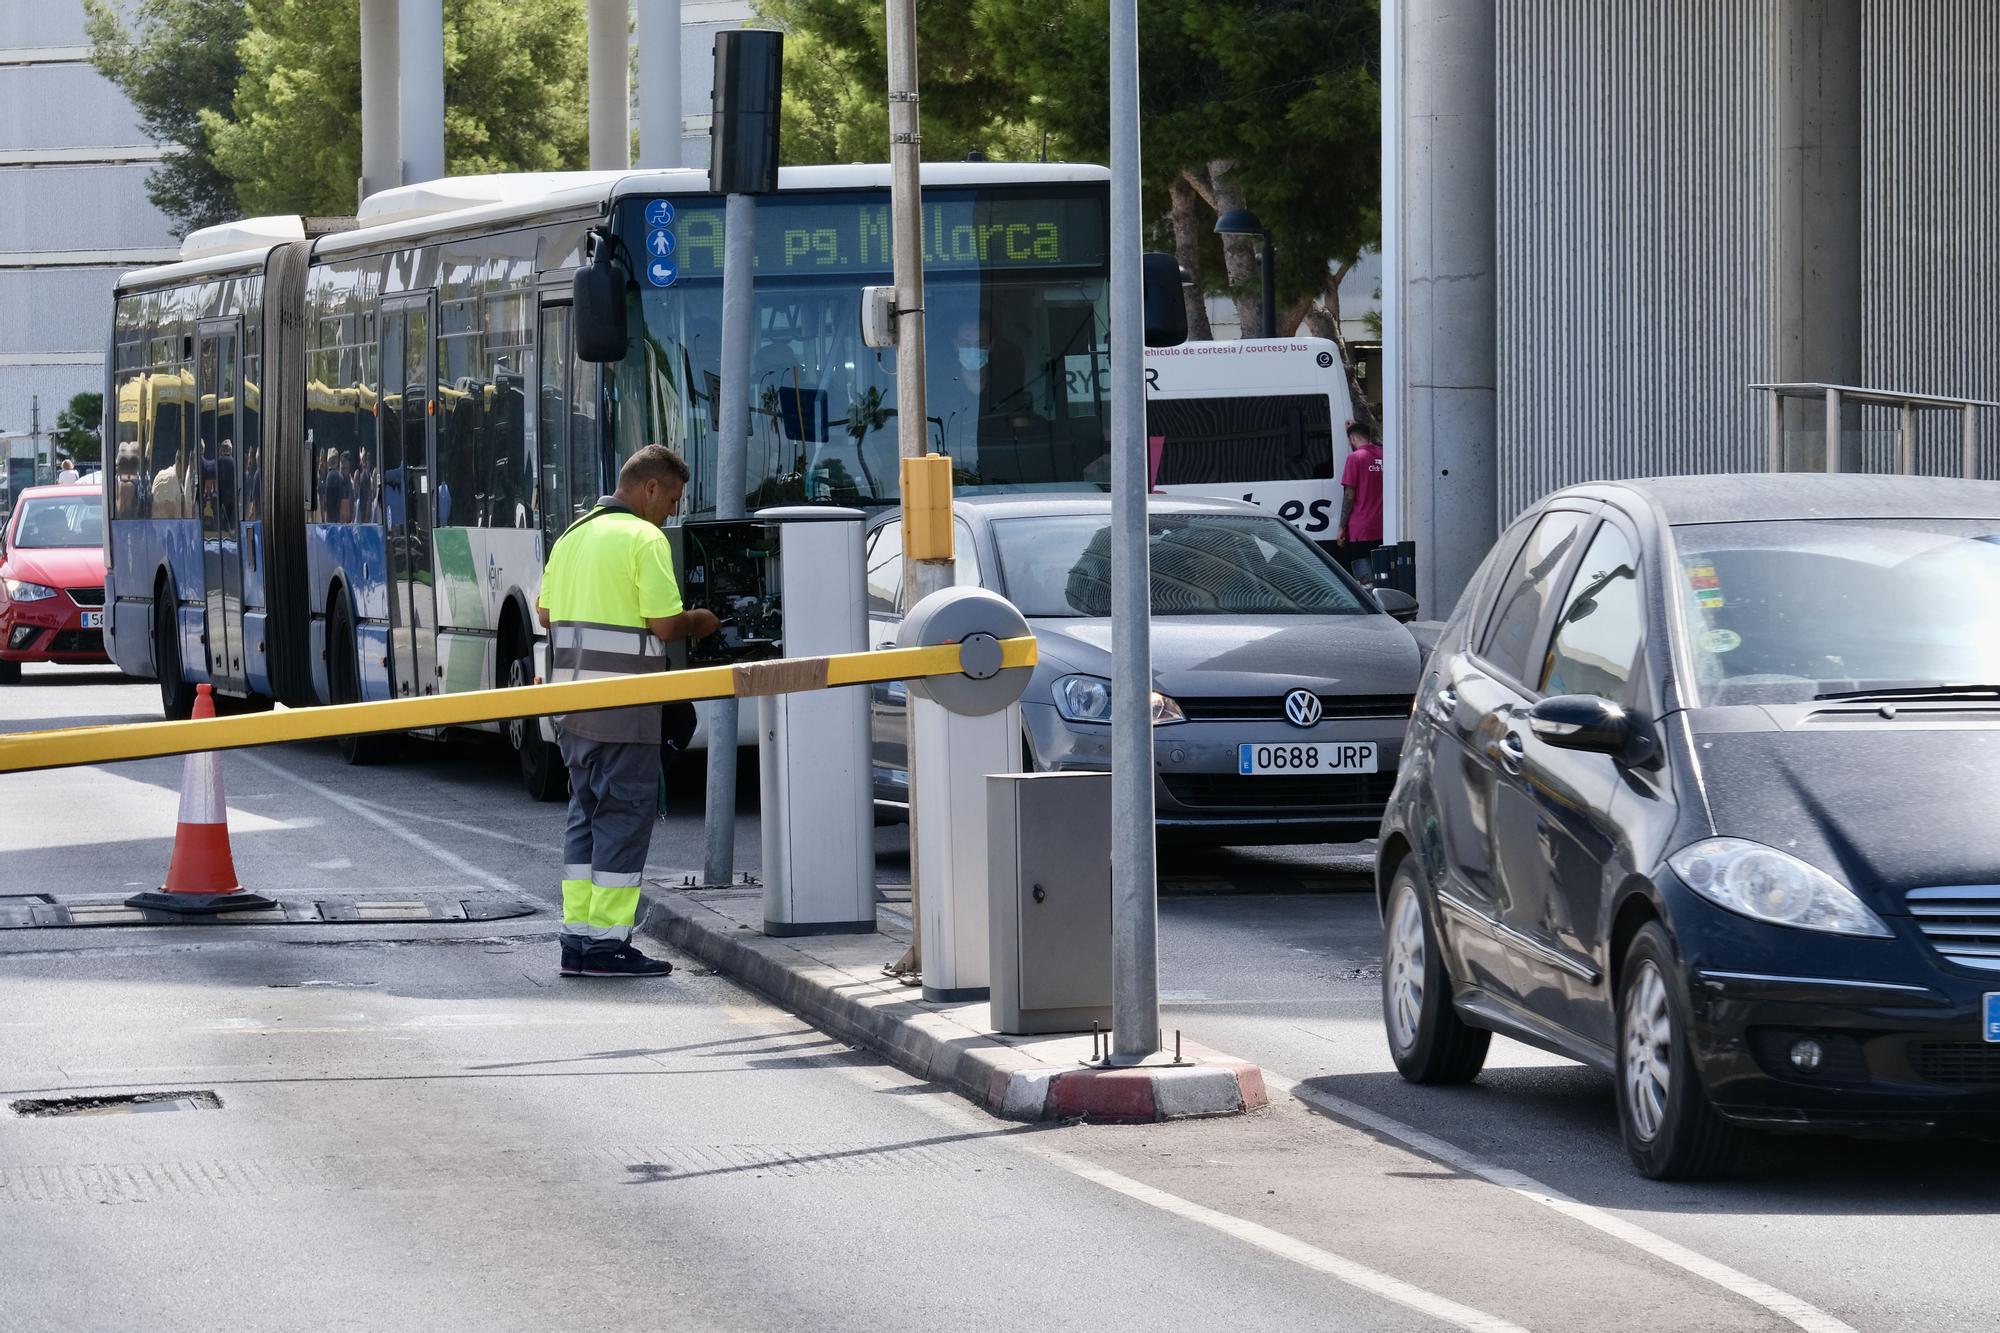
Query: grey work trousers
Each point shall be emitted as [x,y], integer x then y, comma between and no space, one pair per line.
[612,799]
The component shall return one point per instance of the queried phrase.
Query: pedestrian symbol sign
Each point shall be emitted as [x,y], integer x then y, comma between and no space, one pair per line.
[659,243]
[659,213]
[662,272]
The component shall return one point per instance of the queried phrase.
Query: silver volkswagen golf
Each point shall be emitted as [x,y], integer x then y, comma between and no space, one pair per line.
[1281,686]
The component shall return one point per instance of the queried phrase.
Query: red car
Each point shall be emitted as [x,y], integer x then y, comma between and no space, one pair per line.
[52,579]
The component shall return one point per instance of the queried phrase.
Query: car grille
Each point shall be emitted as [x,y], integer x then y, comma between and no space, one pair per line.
[1271,707]
[1962,923]
[1964,1063]
[1351,794]
[87,596]
[76,641]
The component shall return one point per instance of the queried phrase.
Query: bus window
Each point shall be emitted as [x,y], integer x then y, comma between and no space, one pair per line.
[1276,437]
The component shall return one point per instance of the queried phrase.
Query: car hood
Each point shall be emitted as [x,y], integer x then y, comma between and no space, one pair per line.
[57,566]
[1885,807]
[1209,655]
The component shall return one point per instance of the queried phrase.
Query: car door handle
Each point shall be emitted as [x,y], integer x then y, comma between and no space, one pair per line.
[1513,752]
[1444,704]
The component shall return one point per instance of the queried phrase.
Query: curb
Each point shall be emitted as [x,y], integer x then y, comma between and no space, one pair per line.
[929,1042]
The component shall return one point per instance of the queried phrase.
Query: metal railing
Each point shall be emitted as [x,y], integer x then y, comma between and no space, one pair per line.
[1835,397]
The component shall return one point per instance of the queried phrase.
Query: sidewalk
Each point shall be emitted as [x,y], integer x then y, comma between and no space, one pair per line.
[835,982]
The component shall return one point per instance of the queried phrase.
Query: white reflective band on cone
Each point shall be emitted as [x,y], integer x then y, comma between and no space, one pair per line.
[201,790]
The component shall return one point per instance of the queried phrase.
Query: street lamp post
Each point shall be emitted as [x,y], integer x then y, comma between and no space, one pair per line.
[1243,222]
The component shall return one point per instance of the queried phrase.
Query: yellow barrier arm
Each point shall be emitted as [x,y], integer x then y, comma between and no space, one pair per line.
[26,751]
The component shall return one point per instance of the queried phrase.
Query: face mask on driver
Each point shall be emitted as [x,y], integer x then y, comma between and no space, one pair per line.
[972,358]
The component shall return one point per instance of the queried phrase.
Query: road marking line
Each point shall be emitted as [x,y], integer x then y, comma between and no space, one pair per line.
[358,807]
[945,1106]
[1783,1304]
[456,824]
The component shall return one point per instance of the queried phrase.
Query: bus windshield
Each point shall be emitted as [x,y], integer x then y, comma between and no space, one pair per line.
[1015,323]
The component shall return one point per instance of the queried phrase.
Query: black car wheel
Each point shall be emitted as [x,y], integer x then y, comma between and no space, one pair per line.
[1428,1040]
[176,695]
[10,671]
[542,770]
[1671,1129]
[343,678]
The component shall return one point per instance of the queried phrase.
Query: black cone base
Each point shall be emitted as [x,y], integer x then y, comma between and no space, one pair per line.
[199,904]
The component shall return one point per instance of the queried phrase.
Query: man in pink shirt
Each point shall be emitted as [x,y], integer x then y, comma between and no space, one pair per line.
[1361,495]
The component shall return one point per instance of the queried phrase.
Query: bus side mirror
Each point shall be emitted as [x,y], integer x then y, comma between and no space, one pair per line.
[598,296]
[1166,307]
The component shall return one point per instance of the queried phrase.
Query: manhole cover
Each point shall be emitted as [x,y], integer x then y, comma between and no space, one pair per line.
[129,1103]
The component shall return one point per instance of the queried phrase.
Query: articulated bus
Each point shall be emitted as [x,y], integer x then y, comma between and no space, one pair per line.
[1258,419]
[339,460]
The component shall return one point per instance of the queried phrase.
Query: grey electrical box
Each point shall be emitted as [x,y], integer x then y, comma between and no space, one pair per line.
[1049,900]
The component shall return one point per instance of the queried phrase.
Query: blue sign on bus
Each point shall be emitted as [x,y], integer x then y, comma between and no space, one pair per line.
[659,243]
[659,213]
[662,272]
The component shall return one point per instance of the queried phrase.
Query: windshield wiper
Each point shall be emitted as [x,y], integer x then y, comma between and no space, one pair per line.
[1918,692]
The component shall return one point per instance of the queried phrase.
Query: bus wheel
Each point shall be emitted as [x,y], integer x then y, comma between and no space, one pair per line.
[542,770]
[343,671]
[176,694]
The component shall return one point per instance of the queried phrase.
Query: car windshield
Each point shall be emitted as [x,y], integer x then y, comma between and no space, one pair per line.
[71,521]
[1782,612]
[1203,564]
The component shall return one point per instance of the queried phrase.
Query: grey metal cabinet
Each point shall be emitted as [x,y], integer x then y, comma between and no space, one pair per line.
[1049,899]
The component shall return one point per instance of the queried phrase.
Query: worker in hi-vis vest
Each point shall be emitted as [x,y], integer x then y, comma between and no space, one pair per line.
[611,604]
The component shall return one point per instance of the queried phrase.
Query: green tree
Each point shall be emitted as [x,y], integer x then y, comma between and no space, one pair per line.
[515,93]
[174,60]
[76,427]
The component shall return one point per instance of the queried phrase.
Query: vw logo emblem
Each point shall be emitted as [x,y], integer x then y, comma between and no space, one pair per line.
[1302,708]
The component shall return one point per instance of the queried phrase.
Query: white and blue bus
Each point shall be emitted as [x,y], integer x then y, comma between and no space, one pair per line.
[337,461]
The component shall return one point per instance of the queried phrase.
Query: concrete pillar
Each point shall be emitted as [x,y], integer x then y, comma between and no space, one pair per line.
[1446,426]
[609,27]
[1819,193]
[381,165]
[420,98]
[659,83]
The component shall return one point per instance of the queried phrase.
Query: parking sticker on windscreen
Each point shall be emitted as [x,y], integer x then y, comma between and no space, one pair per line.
[1720,640]
[1707,588]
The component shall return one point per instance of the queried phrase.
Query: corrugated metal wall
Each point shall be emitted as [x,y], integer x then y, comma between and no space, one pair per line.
[1638,278]
[1930,134]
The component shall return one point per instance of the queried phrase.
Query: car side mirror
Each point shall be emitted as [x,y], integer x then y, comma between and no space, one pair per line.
[1396,603]
[1586,722]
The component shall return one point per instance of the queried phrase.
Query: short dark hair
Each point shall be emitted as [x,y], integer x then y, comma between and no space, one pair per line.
[1364,430]
[655,462]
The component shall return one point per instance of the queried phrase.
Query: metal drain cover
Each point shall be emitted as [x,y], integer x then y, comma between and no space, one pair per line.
[126,1103]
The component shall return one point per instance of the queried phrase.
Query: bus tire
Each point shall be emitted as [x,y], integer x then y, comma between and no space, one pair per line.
[176,694]
[543,772]
[343,679]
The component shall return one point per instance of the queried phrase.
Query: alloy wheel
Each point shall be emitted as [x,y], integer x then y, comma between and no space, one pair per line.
[1647,1051]
[1406,968]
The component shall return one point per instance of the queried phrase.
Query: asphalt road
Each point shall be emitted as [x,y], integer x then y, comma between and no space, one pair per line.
[424,1123]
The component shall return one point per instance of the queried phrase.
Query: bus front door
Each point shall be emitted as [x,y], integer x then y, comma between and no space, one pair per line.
[409,434]
[217,376]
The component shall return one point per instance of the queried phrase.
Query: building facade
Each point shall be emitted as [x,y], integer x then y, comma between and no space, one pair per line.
[73,210]
[1614,219]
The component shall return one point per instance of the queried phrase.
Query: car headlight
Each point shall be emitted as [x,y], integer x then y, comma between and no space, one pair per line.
[1088,699]
[1766,884]
[23,591]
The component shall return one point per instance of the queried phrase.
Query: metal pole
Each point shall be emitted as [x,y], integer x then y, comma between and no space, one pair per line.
[1392,273]
[420,96]
[1270,262]
[660,83]
[379,166]
[1909,439]
[1832,430]
[1971,444]
[608,25]
[1777,415]
[1135,953]
[732,443]
[906,209]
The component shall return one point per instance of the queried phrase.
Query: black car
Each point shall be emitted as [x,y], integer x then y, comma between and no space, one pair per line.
[1700,788]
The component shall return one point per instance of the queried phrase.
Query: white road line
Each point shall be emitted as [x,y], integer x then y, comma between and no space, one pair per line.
[361,808]
[462,827]
[945,1106]
[1783,1304]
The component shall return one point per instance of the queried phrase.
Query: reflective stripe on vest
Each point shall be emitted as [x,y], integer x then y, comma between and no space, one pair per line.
[582,650]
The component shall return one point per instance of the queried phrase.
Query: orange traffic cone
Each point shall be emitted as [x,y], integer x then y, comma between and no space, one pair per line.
[201,878]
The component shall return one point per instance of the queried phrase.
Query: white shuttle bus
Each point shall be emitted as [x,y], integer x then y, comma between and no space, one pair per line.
[1258,419]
